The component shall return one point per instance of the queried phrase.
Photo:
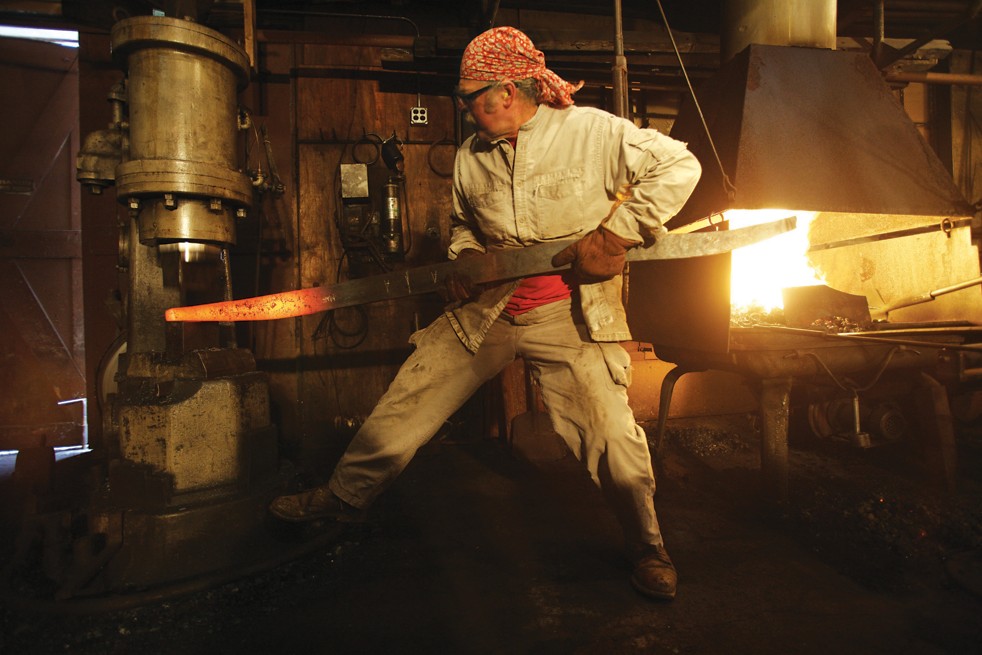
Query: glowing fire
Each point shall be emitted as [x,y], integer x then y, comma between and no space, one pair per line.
[761,270]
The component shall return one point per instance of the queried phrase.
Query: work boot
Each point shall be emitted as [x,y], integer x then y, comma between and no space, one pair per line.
[314,504]
[654,574]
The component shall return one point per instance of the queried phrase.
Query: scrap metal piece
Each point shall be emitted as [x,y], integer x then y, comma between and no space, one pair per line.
[803,306]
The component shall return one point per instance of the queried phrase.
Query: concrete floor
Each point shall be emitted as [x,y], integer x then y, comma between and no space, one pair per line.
[476,551]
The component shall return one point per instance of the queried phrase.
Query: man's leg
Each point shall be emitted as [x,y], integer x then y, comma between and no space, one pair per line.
[584,387]
[431,385]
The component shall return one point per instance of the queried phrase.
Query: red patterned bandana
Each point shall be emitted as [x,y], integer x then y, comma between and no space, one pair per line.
[506,52]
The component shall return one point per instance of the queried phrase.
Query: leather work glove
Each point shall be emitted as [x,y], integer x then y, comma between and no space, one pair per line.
[458,286]
[598,256]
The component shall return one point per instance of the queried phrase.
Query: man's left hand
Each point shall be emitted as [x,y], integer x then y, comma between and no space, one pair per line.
[458,287]
[596,257]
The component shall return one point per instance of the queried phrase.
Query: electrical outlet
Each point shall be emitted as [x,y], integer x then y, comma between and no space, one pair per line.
[418,116]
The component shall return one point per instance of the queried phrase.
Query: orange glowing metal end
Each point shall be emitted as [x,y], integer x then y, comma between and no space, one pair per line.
[287,304]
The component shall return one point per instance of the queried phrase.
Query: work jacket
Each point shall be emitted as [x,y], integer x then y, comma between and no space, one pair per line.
[559,182]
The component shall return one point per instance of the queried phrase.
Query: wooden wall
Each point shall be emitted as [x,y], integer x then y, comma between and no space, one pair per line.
[323,105]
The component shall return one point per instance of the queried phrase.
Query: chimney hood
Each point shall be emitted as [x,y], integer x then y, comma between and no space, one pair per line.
[810,129]
[815,133]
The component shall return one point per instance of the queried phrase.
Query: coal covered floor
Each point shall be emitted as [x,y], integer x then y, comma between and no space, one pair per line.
[475,551]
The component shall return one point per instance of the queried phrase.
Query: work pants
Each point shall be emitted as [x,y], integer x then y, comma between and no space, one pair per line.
[584,388]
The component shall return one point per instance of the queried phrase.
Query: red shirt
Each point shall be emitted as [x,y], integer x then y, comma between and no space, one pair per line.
[537,291]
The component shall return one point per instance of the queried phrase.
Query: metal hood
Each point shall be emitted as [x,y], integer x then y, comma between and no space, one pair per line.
[810,129]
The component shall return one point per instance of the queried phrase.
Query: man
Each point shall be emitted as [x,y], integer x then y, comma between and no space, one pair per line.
[538,169]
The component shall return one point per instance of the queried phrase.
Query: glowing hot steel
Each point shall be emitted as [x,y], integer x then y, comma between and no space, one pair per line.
[760,271]
[287,304]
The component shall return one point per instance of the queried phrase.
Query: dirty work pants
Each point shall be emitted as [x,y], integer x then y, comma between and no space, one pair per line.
[584,388]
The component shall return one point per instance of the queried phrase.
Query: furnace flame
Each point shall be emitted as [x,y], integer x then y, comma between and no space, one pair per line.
[760,271]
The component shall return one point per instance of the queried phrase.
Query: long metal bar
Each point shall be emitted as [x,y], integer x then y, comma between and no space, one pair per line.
[930,295]
[946,226]
[852,336]
[492,267]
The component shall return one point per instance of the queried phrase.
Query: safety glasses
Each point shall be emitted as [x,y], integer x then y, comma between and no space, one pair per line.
[465,99]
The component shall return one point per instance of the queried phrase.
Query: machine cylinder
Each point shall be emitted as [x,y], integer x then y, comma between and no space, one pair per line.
[182,162]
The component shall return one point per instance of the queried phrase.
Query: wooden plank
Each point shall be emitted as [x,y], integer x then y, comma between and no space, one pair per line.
[28,318]
[582,41]
[40,244]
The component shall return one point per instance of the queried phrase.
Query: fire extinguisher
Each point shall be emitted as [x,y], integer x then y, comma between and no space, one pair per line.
[391,232]
[392,194]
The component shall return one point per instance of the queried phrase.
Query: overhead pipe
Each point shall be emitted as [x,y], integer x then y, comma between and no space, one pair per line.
[879,29]
[936,78]
[491,14]
[622,105]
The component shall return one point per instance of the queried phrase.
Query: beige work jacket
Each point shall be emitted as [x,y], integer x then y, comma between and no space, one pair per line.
[559,183]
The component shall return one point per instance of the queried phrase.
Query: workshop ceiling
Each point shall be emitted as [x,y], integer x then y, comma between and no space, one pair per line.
[958,21]
[577,35]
